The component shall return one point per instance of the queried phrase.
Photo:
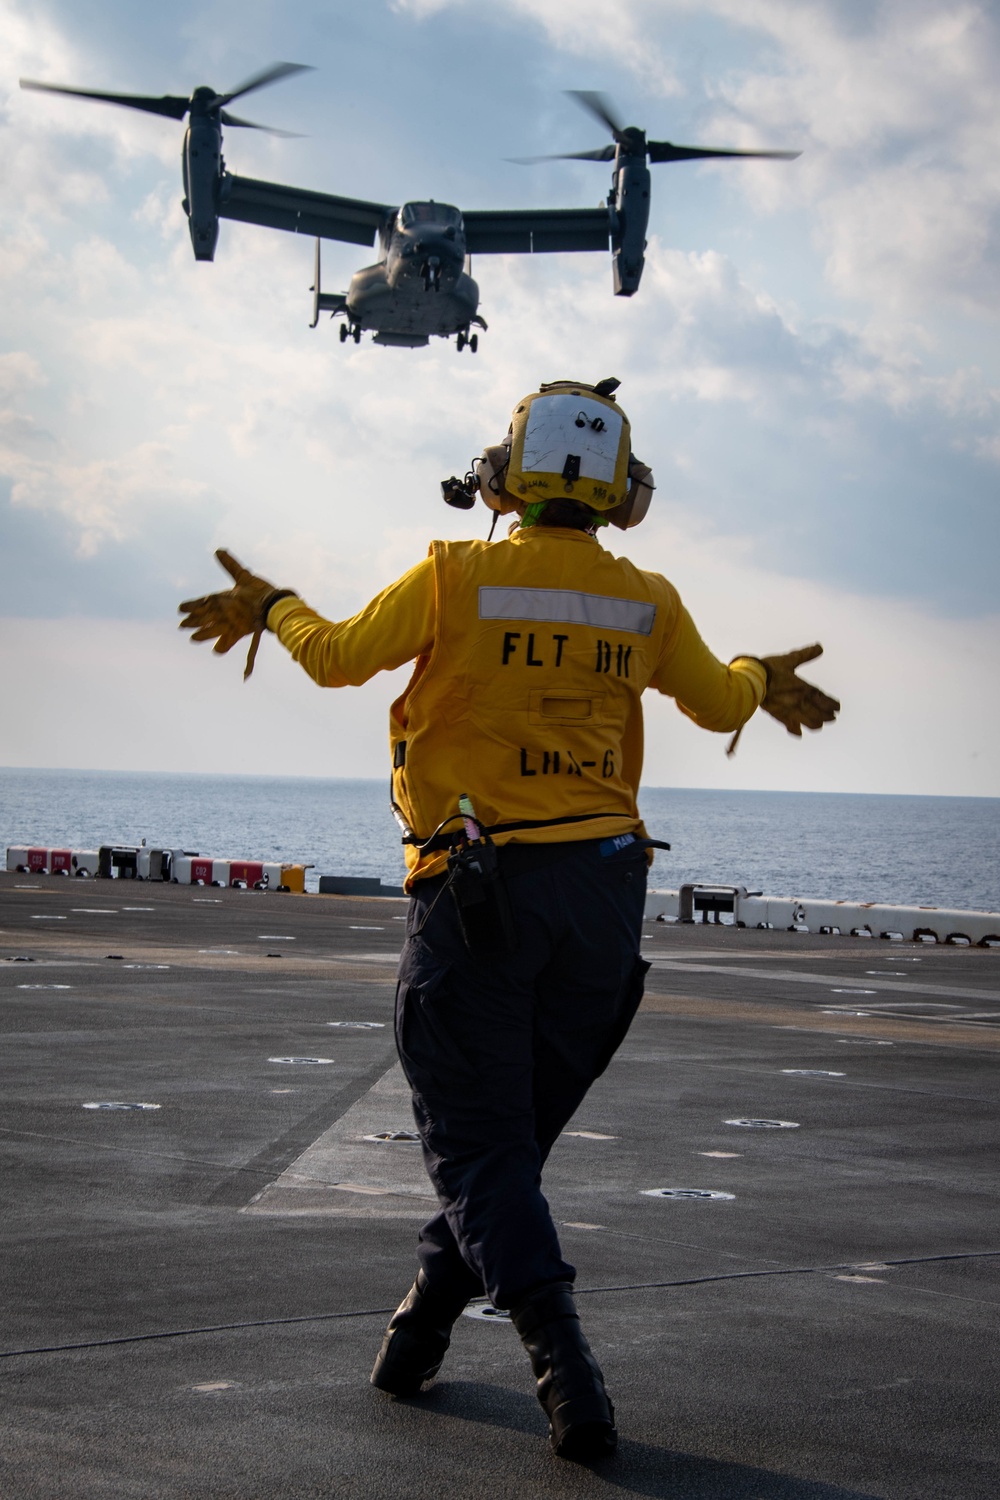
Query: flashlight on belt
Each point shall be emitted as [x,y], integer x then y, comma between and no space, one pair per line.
[478,890]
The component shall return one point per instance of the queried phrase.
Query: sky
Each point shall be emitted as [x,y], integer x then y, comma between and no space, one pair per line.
[810,366]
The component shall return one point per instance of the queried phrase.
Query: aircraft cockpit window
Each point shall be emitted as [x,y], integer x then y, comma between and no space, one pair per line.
[412,214]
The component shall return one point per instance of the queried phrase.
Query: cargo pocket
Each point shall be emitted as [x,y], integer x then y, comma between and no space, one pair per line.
[425,1039]
[630,998]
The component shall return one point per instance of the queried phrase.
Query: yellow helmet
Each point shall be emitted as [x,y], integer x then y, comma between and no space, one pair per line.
[567,440]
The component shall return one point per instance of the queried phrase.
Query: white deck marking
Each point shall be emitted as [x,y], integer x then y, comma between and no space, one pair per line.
[369,958]
[800,976]
[343,1174]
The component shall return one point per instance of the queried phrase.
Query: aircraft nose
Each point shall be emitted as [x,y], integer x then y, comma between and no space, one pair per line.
[435,244]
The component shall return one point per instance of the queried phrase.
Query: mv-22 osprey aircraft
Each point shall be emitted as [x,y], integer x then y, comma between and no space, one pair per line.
[420,284]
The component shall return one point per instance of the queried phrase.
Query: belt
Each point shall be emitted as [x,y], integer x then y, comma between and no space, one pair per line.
[445,840]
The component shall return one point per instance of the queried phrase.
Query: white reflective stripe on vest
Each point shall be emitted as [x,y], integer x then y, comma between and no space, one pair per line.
[566,607]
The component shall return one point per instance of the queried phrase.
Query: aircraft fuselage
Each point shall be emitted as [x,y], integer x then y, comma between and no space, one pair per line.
[419,287]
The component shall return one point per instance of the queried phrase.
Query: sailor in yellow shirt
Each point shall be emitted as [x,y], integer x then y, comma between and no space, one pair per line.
[516,758]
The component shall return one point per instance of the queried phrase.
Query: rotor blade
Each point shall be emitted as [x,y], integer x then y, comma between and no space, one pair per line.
[168,104]
[262,80]
[599,106]
[603,153]
[664,151]
[228,119]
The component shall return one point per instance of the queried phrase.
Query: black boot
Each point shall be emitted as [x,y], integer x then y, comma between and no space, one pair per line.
[415,1341]
[570,1384]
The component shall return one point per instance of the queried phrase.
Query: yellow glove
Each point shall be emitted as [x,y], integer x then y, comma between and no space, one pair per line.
[227,618]
[791,700]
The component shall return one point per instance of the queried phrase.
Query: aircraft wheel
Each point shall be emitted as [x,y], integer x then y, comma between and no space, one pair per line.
[460,341]
[344,331]
[474,342]
[357,334]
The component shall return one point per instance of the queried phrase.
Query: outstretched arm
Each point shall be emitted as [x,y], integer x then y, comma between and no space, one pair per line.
[715,696]
[396,627]
[724,698]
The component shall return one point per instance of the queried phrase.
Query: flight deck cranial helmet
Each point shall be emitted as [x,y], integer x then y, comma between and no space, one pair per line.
[567,441]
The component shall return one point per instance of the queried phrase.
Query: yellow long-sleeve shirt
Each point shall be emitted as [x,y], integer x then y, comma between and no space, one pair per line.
[531,656]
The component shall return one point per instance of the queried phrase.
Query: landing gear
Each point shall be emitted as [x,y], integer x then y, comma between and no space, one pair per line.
[431,272]
[350,331]
[462,338]
[344,331]
[356,331]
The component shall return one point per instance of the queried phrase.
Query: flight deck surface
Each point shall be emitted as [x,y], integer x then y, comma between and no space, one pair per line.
[195,1293]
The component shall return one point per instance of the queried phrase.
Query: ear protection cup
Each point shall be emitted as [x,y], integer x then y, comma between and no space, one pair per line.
[640,492]
[491,471]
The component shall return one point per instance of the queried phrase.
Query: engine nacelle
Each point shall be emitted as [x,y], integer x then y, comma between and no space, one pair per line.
[202,163]
[630,202]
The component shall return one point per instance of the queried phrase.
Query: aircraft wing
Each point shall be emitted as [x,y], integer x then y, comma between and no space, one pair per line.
[533,230]
[302,211]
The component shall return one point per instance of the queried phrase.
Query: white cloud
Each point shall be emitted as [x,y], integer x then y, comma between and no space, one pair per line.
[897,111]
[19,370]
[37,47]
[623,32]
[105,500]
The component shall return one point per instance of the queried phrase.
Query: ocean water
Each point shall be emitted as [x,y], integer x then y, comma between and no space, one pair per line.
[912,851]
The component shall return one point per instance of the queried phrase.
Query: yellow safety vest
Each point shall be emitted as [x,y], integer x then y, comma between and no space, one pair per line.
[529,699]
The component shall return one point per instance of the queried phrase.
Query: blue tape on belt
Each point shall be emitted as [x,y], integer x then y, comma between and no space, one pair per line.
[612,846]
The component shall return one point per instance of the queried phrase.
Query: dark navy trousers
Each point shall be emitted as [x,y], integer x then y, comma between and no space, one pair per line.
[499,1053]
